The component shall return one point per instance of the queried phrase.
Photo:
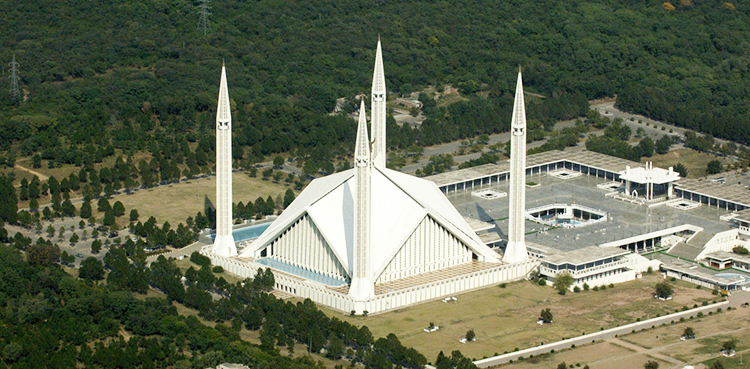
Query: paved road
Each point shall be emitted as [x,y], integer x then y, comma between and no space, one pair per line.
[609,333]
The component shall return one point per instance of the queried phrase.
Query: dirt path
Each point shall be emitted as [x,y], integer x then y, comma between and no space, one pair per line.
[641,350]
[655,352]
[41,176]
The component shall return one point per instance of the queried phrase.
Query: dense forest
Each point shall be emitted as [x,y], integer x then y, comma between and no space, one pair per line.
[53,320]
[139,72]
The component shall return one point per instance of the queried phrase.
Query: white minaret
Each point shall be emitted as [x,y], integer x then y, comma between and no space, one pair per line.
[224,242]
[515,251]
[362,286]
[379,148]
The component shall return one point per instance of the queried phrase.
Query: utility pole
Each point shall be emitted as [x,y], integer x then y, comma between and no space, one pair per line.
[14,91]
[203,22]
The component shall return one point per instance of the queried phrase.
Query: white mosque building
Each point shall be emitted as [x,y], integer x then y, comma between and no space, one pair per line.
[372,239]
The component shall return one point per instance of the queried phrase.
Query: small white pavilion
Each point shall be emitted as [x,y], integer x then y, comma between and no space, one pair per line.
[649,182]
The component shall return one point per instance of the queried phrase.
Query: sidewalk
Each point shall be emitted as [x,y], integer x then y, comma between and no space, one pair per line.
[598,336]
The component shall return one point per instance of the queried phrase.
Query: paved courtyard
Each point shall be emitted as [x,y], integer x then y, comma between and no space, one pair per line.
[625,219]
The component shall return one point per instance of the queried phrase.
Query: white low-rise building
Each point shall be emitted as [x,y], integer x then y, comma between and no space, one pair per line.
[594,266]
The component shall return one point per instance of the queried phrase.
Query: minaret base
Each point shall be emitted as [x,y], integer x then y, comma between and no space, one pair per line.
[515,252]
[361,290]
[224,246]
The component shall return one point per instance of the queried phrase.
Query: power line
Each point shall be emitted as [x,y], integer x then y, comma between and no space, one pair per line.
[14,91]
[204,24]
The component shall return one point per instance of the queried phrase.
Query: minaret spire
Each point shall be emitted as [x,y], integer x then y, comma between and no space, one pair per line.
[515,251]
[362,286]
[224,241]
[378,111]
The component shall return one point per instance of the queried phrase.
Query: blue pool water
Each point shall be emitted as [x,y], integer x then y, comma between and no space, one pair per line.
[304,273]
[729,275]
[565,221]
[248,233]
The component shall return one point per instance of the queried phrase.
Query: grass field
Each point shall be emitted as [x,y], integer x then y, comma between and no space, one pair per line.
[695,162]
[175,202]
[711,332]
[505,318]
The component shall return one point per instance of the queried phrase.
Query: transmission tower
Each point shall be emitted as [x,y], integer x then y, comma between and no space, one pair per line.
[203,23]
[14,91]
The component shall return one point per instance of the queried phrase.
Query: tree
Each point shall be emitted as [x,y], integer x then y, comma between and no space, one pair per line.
[651,365]
[91,269]
[664,289]
[681,169]
[118,209]
[288,197]
[470,335]
[50,231]
[85,211]
[73,238]
[8,200]
[546,316]
[562,365]
[133,215]
[646,145]
[563,280]
[43,253]
[103,205]
[663,145]
[716,365]
[714,167]
[688,333]
[728,346]
[96,246]
[109,218]
[278,161]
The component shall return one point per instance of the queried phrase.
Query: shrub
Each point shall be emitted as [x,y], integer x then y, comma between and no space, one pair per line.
[503,285]
[218,269]
[542,282]
[664,289]
[576,289]
[585,286]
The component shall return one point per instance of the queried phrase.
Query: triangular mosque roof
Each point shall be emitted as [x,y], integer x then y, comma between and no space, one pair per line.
[399,204]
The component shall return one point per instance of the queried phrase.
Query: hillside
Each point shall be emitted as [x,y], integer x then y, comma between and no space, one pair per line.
[135,72]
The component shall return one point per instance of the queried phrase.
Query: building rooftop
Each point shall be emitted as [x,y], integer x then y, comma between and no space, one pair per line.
[584,255]
[722,255]
[728,192]
[699,273]
[478,225]
[491,237]
[743,215]
[649,175]
[577,155]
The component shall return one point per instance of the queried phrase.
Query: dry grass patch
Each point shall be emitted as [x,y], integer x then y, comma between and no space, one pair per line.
[602,355]
[695,162]
[175,202]
[505,318]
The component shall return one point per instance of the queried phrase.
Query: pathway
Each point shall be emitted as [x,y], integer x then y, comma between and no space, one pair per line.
[601,335]
[41,176]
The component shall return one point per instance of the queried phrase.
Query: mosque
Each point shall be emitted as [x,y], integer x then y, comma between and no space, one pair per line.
[371,239]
